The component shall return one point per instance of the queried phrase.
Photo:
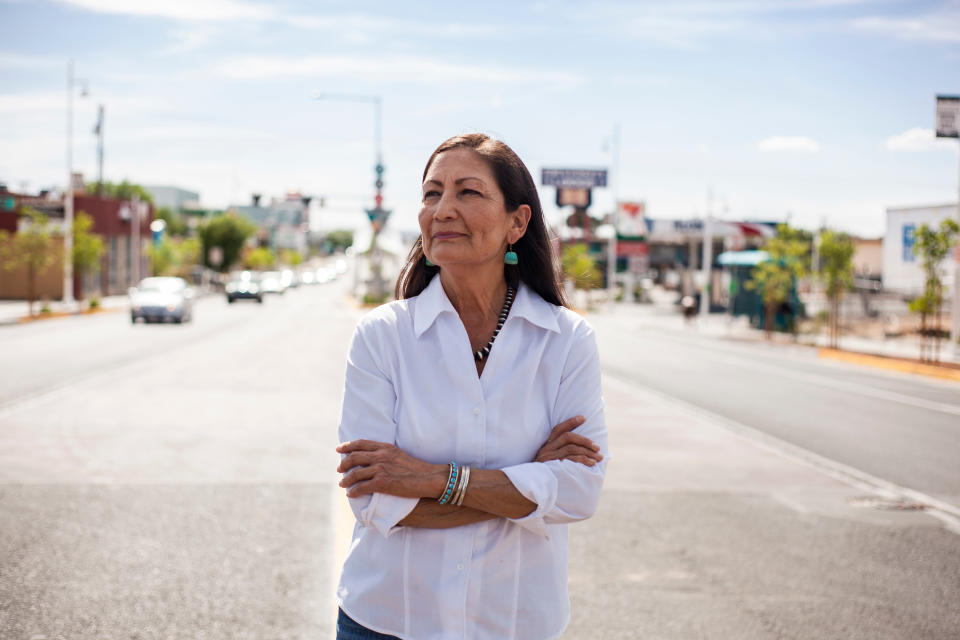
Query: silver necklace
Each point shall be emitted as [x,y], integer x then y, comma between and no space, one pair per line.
[507,303]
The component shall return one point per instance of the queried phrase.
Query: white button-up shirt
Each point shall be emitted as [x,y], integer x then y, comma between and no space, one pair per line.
[411,380]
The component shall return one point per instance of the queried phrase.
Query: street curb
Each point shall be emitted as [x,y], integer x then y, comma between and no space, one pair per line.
[22,320]
[891,363]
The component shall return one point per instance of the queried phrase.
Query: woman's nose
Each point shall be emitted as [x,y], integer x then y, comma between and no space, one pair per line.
[446,207]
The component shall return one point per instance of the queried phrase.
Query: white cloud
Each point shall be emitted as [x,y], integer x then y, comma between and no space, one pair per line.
[407,69]
[9,60]
[789,143]
[370,25]
[190,10]
[33,103]
[919,139]
[942,27]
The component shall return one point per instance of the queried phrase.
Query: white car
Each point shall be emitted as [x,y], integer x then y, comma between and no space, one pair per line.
[161,299]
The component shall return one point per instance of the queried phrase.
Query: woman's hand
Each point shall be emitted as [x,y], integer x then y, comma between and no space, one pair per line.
[378,467]
[563,444]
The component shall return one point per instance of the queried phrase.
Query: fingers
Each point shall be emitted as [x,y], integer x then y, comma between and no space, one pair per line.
[567,425]
[356,459]
[361,445]
[358,474]
[576,450]
[565,439]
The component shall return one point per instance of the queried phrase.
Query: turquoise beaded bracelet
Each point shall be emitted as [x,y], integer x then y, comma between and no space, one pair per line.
[451,482]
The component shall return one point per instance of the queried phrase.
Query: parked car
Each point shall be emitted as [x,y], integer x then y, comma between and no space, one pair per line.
[289,278]
[161,299]
[271,282]
[244,285]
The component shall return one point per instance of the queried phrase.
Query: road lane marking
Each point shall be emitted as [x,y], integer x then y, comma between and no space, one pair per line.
[947,513]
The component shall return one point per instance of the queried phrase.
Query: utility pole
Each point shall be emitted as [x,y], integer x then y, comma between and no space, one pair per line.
[615,190]
[98,131]
[947,119]
[135,240]
[68,299]
[707,256]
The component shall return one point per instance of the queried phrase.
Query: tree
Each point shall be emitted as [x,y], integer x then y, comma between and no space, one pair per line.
[932,246]
[788,259]
[291,257]
[580,267]
[259,259]
[30,248]
[88,247]
[174,221]
[228,233]
[836,271]
[122,191]
[174,256]
[339,240]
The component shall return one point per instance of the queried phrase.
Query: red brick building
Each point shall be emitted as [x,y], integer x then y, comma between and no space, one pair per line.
[113,220]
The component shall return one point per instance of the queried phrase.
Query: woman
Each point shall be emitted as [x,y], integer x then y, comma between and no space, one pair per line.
[461,489]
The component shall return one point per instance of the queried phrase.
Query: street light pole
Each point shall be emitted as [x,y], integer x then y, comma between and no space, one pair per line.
[378,215]
[68,193]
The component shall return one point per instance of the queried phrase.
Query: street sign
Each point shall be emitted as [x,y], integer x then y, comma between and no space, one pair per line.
[378,217]
[948,116]
[574,178]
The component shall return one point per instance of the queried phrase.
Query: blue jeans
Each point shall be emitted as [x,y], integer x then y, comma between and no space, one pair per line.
[349,629]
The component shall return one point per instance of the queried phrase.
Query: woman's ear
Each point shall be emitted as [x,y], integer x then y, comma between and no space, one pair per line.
[518,223]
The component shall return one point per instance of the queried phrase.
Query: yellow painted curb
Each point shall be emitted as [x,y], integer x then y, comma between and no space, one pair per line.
[67,314]
[894,364]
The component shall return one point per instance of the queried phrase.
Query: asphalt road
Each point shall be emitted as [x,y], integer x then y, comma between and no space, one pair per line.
[901,428]
[175,481]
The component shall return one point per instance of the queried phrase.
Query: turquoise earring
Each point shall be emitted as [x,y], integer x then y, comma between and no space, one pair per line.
[429,264]
[510,257]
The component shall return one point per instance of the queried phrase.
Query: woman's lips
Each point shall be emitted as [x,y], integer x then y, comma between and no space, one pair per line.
[446,236]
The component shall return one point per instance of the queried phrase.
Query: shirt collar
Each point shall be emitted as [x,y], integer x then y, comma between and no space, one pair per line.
[527,304]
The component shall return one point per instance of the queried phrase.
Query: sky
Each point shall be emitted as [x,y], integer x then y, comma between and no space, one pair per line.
[817,112]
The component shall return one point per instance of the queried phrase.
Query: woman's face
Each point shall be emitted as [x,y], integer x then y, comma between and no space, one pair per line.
[463,217]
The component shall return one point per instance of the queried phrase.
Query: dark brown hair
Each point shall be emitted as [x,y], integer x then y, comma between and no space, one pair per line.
[536,265]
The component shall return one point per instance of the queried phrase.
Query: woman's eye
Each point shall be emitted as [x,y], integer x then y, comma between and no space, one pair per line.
[431,194]
[471,192]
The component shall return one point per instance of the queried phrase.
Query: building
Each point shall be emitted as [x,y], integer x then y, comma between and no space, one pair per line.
[902,270]
[113,220]
[283,224]
[174,198]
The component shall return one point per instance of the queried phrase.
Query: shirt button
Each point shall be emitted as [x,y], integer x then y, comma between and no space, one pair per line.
[459,567]
[476,411]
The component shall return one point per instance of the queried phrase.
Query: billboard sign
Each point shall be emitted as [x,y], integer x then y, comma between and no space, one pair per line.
[574,178]
[631,221]
[573,196]
[948,116]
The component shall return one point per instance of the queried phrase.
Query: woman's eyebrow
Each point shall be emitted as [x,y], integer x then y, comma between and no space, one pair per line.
[457,181]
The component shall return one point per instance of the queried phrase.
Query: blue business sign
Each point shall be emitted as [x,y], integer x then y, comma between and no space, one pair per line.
[908,242]
[574,178]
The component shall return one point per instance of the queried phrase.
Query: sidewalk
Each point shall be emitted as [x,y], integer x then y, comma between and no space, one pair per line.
[709,530]
[664,315]
[11,311]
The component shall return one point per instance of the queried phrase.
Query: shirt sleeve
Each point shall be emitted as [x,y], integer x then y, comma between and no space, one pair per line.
[369,401]
[567,491]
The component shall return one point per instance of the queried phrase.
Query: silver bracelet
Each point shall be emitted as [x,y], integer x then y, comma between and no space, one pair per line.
[462,489]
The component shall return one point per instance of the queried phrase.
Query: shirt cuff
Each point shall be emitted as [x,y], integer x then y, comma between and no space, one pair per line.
[536,483]
[385,511]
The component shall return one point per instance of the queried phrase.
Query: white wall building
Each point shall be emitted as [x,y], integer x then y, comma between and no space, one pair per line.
[903,271]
